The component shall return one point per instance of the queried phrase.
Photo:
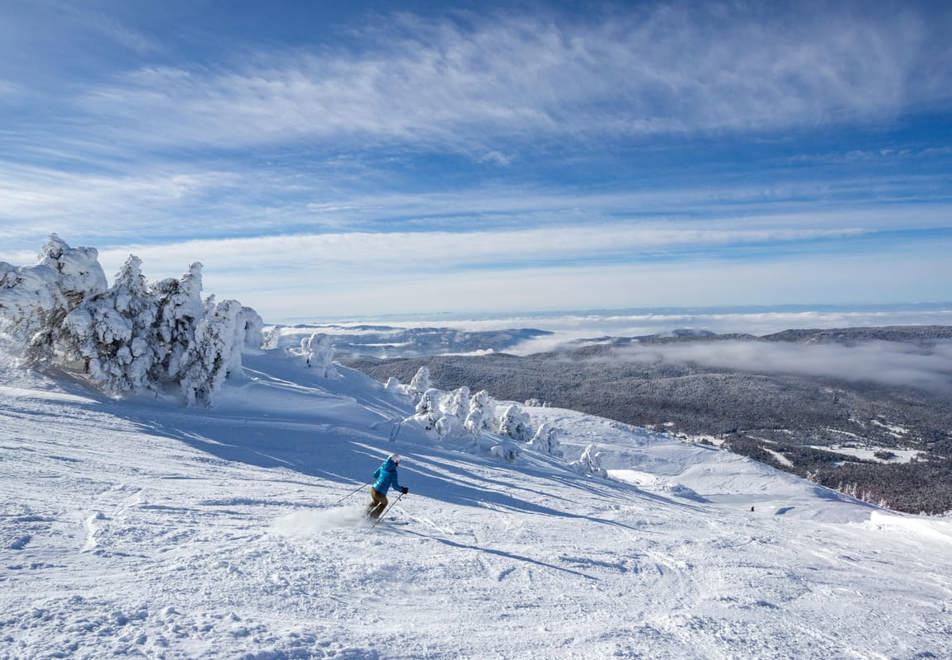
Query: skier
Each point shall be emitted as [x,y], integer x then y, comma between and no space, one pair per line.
[385,476]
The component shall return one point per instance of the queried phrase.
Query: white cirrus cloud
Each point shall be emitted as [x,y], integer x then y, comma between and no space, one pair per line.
[465,84]
[342,255]
[181,201]
[28,192]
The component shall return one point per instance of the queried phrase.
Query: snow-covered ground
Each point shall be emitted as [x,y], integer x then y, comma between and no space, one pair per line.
[894,429]
[868,453]
[138,527]
[780,458]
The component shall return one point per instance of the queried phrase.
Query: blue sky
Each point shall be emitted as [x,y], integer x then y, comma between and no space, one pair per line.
[357,159]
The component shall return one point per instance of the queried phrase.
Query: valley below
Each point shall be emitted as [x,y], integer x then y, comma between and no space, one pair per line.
[862,410]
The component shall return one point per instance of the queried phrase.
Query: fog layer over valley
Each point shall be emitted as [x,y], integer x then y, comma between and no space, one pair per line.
[864,410]
[542,332]
[927,367]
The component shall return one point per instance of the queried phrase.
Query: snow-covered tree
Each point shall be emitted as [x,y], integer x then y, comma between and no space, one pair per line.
[215,353]
[420,382]
[442,412]
[180,308]
[457,403]
[515,424]
[26,295]
[31,307]
[271,338]
[323,357]
[79,274]
[506,450]
[546,440]
[429,403]
[428,407]
[319,354]
[447,426]
[394,386]
[131,336]
[590,462]
[35,300]
[479,419]
[249,334]
[112,332]
[210,357]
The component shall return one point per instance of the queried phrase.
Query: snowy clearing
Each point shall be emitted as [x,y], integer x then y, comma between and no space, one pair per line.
[868,453]
[893,429]
[783,460]
[137,527]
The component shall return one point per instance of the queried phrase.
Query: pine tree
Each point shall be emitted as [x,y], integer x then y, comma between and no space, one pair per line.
[111,332]
[515,424]
[420,382]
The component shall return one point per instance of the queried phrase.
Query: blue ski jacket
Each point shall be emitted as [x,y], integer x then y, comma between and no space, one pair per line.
[385,476]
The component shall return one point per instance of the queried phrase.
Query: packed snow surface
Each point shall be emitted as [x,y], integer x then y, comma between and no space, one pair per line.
[140,527]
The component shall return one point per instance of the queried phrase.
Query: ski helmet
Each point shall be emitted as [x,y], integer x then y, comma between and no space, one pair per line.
[395,458]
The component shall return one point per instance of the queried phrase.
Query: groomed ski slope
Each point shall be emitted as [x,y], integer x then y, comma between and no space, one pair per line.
[143,528]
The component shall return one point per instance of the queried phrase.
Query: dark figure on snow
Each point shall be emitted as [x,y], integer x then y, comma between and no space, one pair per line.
[385,476]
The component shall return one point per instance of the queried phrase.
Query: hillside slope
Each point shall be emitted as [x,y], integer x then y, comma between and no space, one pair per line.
[799,401]
[140,527]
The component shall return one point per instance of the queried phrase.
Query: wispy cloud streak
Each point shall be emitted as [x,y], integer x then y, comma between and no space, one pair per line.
[464,83]
[436,251]
[149,201]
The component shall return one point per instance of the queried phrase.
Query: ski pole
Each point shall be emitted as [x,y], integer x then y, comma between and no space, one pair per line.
[386,511]
[349,495]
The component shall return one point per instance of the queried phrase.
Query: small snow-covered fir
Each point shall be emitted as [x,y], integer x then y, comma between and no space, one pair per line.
[476,422]
[318,353]
[420,382]
[590,462]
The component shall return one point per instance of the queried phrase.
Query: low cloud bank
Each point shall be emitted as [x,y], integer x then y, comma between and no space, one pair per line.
[886,363]
[568,327]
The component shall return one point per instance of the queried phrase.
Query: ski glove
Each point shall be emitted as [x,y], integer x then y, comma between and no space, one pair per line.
[405,490]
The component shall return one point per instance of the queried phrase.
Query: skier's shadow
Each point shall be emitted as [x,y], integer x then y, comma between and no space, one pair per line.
[502,553]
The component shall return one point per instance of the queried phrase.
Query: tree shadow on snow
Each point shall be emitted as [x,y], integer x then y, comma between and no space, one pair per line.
[345,450]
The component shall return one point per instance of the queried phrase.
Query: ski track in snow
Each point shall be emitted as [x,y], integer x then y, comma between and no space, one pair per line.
[141,528]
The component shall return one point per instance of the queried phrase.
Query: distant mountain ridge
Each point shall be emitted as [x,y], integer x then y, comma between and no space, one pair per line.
[903,333]
[385,341]
[898,333]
